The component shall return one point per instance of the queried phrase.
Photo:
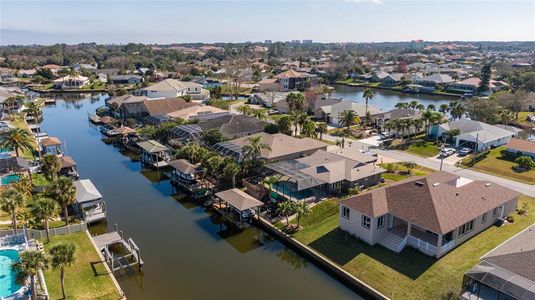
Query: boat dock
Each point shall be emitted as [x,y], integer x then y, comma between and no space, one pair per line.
[118,262]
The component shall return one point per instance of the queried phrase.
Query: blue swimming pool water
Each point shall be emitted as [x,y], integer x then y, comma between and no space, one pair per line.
[8,285]
[10,179]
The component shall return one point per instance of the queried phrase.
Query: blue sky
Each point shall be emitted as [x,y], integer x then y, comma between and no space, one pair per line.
[117,21]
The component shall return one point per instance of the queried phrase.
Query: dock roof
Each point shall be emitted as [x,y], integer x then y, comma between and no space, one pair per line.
[86,191]
[152,146]
[239,199]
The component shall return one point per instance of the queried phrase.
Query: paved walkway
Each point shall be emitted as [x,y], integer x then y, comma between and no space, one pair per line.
[434,163]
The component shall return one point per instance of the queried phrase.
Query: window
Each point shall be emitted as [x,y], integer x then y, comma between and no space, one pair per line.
[381,222]
[345,212]
[366,222]
[466,228]
[484,218]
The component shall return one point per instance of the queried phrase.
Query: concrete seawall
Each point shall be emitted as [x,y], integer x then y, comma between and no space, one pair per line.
[323,263]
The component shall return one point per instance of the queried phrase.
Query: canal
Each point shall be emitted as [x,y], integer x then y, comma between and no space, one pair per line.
[187,253]
[386,99]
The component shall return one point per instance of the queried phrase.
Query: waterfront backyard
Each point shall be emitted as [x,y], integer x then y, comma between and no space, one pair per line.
[87,278]
[409,274]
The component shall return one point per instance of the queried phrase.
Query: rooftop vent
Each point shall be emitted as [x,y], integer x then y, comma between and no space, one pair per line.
[436,184]
[419,183]
[487,184]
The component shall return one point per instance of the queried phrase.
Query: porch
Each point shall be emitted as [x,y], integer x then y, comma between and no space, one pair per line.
[424,240]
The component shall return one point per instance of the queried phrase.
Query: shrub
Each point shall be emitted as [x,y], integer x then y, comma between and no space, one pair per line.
[523,210]
[525,162]
[471,160]
[396,143]
[390,167]
[510,219]
[271,128]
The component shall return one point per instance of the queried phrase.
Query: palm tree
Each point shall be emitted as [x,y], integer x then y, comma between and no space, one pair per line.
[309,129]
[24,185]
[50,166]
[213,164]
[34,109]
[63,255]
[443,108]
[401,105]
[231,171]
[245,109]
[413,104]
[287,208]
[28,265]
[260,114]
[44,209]
[368,95]
[321,128]
[431,107]
[64,192]
[295,101]
[420,107]
[296,117]
[270,181]
[348,118]
[302,210]
[506,116]
[252,153]
[18,139]
[10,200]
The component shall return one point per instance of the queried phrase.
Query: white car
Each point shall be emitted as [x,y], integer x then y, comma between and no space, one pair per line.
[447,152]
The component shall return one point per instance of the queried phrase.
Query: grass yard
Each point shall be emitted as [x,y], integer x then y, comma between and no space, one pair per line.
[419,146]
[522,118]
[39,179]
[87,278]
[497,164]
[410,274]
[400,173]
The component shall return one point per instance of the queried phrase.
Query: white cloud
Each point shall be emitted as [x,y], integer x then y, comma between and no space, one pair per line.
[373,1]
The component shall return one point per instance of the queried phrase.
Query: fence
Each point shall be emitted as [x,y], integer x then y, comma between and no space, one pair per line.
[39,234]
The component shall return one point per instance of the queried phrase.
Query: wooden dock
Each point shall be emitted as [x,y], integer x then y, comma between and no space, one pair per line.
[119,262]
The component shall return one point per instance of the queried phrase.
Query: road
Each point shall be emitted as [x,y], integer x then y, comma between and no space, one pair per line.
[434,163]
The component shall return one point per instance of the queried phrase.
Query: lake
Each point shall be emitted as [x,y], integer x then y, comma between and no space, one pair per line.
[386,99]
[188,254]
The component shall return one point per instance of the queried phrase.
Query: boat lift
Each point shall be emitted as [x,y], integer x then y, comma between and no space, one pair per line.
[118,262]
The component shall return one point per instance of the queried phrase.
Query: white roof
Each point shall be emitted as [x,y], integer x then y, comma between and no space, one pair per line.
[86,191]
[482,131]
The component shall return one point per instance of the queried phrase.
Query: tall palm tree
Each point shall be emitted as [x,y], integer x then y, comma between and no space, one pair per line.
[260,114]
[10,200]
[444,108]
[506,116]
[296,117]
[50,166]
[231,171]
[18,139]
[420,107]
[321,128]
[252,153]
[295,101]
[63,255]
[348,118]
[302,210]
[28,265]
[309,129]
[44,209]
[286,208]
[24,185]
[245,109]
[270,181]
[213,164]
[64,192]
[368,95]
[431,107]
[413,104]
[401,105]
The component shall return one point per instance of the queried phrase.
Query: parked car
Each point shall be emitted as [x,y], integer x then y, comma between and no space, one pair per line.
[447,152]
[465,151]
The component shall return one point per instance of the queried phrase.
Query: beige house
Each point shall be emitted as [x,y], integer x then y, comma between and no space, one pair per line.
[433,214]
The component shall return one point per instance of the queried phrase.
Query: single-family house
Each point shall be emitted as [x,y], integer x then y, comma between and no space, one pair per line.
[471,85]
[433,213]
[125,79]
[332,113]
[280,147]
[70,82]
[172,88]
[506,272]
[134,108]
[521,147]
[294,80]
[322,173]
[208,83]
[392,79]
[7,75]
[431,82]
[472,133]
[379,120]
[231,126]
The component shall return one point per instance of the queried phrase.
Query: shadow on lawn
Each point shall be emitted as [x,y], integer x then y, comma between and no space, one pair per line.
[342,247]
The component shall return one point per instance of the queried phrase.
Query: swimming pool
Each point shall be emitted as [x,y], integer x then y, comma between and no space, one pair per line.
[10,179]
[8,285]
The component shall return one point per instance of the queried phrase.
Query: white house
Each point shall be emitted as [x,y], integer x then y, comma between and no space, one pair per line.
[71,82]
[474,132]
[331,113]
[172,88]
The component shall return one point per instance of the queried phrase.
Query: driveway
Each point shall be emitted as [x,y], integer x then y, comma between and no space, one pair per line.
[372,141]
[450,160]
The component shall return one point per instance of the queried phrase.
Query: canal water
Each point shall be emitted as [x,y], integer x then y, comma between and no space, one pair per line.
[188,254]
[386,99]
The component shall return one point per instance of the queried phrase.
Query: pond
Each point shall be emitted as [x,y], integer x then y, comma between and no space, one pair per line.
[386,99]
[188,253]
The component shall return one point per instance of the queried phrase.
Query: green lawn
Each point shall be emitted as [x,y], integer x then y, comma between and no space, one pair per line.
[419,146]
[497,164]
[87,278]
[410,274]
[522,118]
[401,173]
[39,179]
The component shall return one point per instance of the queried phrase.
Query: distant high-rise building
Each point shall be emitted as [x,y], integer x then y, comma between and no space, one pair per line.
[308,41]
[267,42]
[296,41]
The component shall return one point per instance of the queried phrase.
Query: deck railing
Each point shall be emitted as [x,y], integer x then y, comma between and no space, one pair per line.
[39,234]
[422,245]
[447,247]
[403,243]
